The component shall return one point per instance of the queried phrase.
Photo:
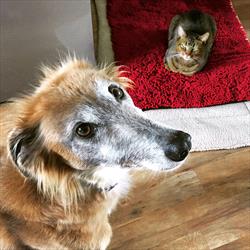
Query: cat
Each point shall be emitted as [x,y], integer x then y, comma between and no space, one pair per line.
[190,40]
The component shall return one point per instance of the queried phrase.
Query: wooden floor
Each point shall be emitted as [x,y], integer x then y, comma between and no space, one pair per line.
[204,205]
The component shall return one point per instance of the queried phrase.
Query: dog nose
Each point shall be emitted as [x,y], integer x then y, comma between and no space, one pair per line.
[178,147]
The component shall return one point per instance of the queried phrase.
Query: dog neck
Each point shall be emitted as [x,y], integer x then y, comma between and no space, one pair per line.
[113,182]
[110,187]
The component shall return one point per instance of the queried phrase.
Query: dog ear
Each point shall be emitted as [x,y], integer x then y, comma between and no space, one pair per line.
[24,146]
[46,168]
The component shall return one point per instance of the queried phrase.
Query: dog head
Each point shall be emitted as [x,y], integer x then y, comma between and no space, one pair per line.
[80,119]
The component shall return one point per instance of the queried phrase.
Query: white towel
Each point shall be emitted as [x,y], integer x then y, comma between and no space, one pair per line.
[218,127]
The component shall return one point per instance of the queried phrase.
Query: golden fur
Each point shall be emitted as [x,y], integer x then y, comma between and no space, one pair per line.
[67,214]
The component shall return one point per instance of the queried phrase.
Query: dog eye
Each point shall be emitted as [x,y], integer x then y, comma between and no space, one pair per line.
[85,130]
[116,92]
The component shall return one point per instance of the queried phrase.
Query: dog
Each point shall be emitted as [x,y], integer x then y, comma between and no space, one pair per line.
[66,152]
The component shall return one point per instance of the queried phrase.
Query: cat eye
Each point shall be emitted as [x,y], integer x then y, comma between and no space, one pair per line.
[85,130]
[116,91]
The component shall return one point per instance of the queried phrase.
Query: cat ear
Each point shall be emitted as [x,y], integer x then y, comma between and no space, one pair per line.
[204,37]
[181,31]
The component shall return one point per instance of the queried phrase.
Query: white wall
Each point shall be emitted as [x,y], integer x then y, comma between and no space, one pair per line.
[36,31]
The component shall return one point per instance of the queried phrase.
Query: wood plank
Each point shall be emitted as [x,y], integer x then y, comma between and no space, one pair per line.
[187,204]
[195,241]
[227,229]
[242,243]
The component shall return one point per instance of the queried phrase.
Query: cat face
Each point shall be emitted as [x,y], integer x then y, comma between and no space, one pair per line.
[190,46]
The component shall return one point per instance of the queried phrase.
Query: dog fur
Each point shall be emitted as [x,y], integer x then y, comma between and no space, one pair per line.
[56,190]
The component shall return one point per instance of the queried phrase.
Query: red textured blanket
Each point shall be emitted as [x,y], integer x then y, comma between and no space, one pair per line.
[139,36]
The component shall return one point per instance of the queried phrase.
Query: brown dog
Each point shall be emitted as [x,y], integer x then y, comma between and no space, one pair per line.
[65,155]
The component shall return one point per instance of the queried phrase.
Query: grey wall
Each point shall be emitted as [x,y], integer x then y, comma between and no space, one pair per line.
[36,31]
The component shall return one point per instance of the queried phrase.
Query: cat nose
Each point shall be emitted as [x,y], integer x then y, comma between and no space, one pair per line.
[179,147]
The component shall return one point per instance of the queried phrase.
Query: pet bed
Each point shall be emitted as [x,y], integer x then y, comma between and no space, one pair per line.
[216,127]
[139,32]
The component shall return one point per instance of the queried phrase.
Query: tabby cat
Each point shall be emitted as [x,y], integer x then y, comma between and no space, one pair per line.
[190,40]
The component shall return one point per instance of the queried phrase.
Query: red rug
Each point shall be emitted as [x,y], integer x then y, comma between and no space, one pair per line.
[139,36]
